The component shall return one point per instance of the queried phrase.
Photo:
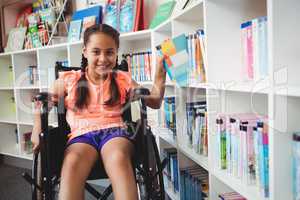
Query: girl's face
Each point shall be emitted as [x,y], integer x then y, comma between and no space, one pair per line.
[101,53]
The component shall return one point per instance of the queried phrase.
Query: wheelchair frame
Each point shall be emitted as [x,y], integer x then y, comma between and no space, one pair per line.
[148,170]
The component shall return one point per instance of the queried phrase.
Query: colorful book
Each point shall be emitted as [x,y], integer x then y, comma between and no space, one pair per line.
[74,30]
[176,59]
[111,14]
[87,22]
[127,12]
[92,11]
[247,45]
[163,12]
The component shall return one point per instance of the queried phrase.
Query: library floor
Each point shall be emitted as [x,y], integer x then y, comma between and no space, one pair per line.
[14,187]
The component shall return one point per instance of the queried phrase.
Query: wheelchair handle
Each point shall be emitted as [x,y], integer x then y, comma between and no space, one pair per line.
[141,92]
[42,96]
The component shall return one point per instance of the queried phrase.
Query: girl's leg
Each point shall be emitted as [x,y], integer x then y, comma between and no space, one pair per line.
[78,162]
[116,155]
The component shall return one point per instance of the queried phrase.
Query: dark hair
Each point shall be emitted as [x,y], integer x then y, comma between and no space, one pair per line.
[82,92]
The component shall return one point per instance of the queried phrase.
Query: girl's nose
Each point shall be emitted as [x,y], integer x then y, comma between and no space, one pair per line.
[102,57]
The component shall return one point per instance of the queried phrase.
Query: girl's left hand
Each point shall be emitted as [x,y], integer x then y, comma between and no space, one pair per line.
[160,66]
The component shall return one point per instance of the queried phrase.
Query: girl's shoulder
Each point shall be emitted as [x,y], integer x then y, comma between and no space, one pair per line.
[70,76]
[123,77]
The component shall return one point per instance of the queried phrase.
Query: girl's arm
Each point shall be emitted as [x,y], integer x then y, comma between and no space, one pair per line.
[158,89]
[56,91]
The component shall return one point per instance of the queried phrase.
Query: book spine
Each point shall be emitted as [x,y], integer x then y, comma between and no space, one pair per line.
[255,42]
[228,146]
[266,161]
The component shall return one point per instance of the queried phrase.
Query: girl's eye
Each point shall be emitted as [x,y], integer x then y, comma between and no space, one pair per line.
[110,53]
[96,52]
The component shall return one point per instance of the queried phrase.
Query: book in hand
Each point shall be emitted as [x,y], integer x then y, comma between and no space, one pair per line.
[176,60]
[163,12]
[74,30]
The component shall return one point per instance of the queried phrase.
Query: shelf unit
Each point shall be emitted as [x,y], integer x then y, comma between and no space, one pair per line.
[277,96]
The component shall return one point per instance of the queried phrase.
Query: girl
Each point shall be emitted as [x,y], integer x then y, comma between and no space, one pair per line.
[94,98]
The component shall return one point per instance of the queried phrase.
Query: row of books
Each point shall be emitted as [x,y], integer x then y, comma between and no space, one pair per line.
[167,114]
[185,58]
[243,148]
[255,48]
[231,196]
[82,19]
[139,65]
[33,75]
[197,59]
[170,173]
[125,15]
[194,183]
[197,127]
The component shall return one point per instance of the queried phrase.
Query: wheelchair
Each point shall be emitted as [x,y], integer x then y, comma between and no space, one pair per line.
[47,163]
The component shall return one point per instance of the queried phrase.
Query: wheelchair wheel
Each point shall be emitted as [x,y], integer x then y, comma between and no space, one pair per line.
[154,171]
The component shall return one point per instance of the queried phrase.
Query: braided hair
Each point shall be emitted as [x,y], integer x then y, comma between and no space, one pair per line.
[82,92]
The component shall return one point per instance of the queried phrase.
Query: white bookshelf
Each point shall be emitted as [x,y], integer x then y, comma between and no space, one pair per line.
[225,91]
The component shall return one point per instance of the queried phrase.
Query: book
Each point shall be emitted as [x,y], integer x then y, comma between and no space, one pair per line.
[16,39]
[176,60]
[92,11]
[163,12]
[74,30]
[111,14]
[127,12]
[139,23]
[87,22]
[231,196]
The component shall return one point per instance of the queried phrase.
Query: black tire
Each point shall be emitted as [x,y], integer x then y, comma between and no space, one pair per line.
[158,192]
[38,193]
[156,188]
[36,175]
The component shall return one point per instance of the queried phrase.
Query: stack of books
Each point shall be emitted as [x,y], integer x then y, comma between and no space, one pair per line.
[197,137]
[255,48]
[170,173]
[243,148]
[167,115]
[33,75]
[139,65]
[194,182]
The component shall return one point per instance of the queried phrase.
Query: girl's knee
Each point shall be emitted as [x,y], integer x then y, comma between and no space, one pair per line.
[119,158]
[71,162]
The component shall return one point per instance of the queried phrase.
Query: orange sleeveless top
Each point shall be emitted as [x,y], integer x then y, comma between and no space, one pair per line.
[96,115]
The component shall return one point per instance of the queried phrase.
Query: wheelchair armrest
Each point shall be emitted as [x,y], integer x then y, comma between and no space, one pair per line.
[140,93]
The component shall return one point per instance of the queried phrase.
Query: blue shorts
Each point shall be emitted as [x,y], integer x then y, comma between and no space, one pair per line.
[98,138]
